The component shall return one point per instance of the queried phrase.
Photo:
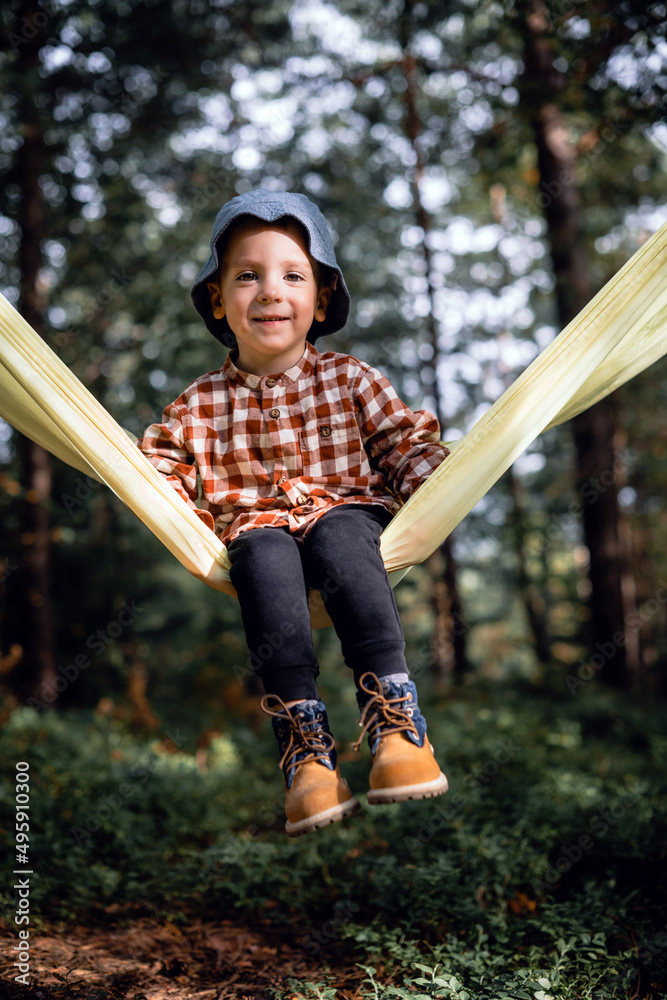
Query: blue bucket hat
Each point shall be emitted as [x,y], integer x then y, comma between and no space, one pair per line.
[269,206]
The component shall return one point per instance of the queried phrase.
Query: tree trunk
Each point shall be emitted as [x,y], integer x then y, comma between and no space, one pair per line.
[613,588]
[450,628]
[612,582]
[533,601]
[34,625]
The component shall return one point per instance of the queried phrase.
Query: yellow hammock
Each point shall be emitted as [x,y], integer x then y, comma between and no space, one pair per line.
[621,332]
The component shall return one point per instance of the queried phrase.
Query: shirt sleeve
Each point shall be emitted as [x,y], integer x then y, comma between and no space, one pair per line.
[404,444]
[166,446]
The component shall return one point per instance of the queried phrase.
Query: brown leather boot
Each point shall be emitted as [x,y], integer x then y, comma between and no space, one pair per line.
[316,794]
[404,766]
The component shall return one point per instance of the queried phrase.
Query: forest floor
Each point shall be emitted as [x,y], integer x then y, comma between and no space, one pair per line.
[148,959]
[541,875]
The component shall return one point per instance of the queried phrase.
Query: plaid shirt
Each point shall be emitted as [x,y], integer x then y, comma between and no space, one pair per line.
[284,449]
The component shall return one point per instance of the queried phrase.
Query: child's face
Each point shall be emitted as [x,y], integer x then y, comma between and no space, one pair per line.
[269,293]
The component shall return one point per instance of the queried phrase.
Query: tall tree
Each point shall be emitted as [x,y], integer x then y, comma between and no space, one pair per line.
[449,635]
[34,620]
[546,93]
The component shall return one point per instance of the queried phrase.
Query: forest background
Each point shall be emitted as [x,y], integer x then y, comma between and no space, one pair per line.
[484,169]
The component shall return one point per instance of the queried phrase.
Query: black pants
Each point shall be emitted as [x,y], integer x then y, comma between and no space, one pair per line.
[340,556]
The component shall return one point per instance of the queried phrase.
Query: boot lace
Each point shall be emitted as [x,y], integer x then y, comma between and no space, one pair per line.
[389,715]
[307,739]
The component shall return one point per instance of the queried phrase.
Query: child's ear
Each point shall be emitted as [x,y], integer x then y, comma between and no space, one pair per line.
[217,304]
[323,299]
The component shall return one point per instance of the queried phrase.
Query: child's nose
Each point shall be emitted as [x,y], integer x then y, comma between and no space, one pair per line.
[270,290]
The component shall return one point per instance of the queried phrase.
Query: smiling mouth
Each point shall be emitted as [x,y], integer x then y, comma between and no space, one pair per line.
[270,319]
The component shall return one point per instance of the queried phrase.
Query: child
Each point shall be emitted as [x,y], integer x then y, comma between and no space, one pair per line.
[304,457]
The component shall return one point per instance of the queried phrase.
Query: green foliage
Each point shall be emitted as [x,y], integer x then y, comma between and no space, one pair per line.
[488,892]
[305,991]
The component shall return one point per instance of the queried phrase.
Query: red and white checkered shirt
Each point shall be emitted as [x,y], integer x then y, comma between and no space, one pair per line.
[281,450]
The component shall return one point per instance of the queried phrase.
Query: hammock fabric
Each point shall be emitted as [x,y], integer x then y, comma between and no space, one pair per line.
[621,332]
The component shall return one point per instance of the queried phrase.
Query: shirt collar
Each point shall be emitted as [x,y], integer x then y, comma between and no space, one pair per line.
[302,369]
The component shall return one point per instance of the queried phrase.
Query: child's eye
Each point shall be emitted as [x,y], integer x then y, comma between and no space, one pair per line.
[293,276]
[246,276]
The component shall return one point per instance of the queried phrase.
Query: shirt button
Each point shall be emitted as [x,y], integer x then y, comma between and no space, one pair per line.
[275,413]
[271,382]
[325,431]
[281,481]
[301,500]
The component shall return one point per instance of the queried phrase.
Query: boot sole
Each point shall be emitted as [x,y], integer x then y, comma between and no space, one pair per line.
[322,819]
[406,793]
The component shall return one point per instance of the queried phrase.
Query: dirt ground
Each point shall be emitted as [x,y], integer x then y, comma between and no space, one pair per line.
[144,959]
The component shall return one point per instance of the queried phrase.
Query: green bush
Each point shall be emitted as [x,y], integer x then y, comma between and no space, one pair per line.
[539,875]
